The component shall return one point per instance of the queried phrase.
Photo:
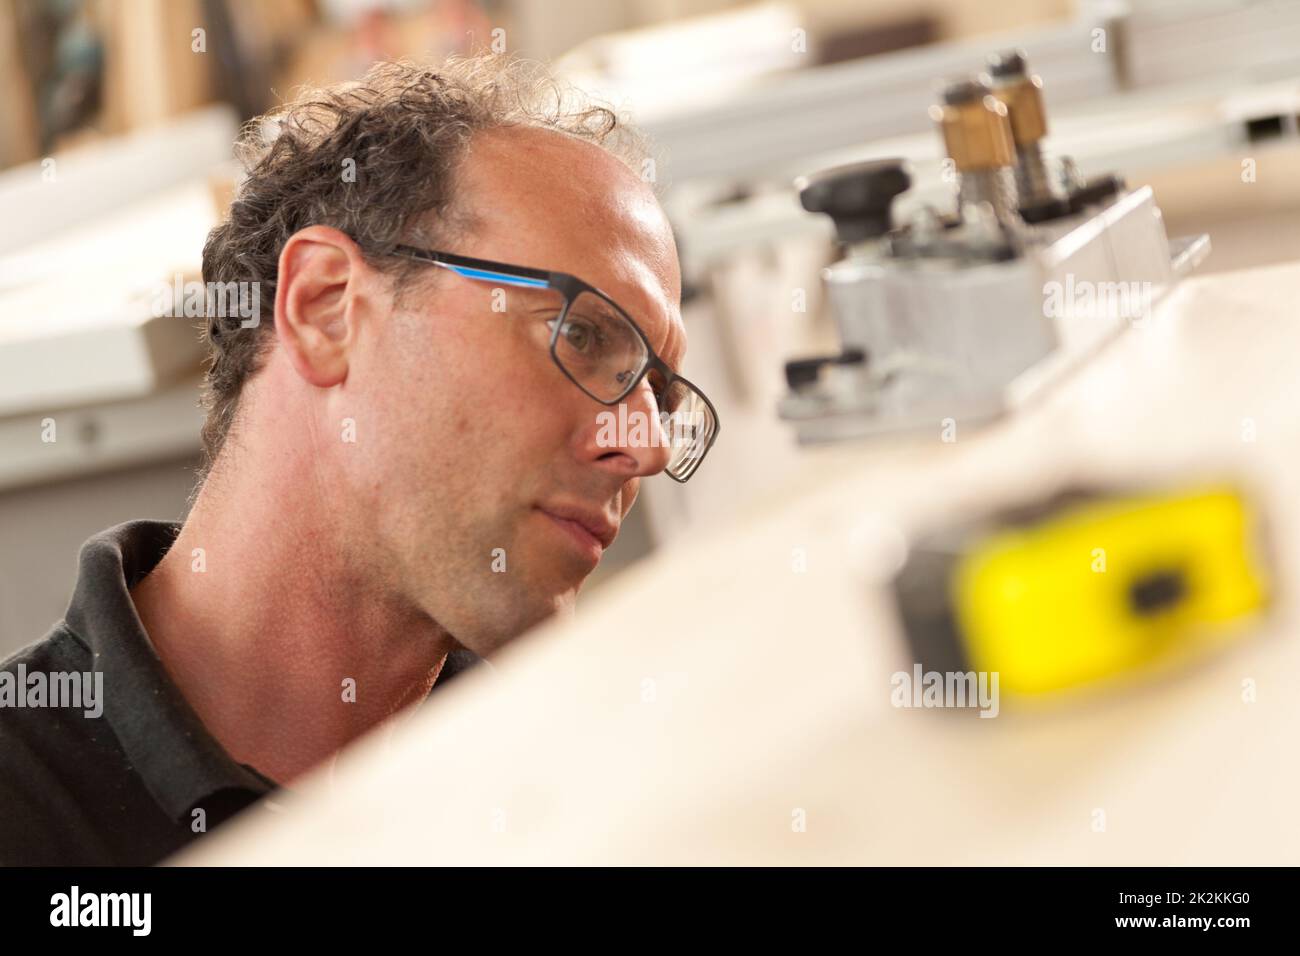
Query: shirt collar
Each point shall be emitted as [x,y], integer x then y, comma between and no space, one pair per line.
[179,761]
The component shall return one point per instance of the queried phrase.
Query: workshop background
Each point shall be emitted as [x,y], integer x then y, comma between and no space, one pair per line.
[117,116]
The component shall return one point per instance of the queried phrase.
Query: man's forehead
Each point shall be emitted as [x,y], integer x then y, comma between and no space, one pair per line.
[543,198]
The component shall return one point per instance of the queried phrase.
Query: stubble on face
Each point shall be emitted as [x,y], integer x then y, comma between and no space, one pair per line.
[475,424]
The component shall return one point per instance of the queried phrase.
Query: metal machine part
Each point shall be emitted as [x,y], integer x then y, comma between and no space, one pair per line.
[977,134]
[1039,195]
[956,315]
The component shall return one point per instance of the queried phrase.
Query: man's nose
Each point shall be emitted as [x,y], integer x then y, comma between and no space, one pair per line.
[629,439]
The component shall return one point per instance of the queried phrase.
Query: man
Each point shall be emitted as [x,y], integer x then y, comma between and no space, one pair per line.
[410,458]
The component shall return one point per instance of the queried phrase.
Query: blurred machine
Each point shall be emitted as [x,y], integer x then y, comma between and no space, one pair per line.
[1182,97]
[951,314]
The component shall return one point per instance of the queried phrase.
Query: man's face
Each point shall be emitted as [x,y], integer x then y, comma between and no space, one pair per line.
[489,479]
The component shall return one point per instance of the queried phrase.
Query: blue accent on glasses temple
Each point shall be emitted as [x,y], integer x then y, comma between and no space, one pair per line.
[496,277]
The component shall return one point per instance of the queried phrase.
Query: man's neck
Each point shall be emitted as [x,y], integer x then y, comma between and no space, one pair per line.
[286,651]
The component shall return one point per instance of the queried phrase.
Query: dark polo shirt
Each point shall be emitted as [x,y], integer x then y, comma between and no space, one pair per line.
[120,788]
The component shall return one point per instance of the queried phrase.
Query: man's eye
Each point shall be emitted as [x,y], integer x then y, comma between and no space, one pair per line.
[579,335]
[575,335]
[584,338]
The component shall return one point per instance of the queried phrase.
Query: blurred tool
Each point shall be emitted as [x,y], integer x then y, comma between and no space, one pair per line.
[1085,587]
[951,314]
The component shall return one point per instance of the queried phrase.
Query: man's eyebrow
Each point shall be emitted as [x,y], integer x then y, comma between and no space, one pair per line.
[639,320]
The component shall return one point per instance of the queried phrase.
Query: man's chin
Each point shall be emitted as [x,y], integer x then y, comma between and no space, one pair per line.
[532,614]
[559,605]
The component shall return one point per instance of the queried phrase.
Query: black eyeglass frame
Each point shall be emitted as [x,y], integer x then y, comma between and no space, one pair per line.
[570,287]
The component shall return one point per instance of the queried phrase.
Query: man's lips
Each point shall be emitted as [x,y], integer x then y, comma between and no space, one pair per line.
[590,526]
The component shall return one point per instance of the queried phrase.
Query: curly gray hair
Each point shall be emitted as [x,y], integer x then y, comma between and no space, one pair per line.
[398,134]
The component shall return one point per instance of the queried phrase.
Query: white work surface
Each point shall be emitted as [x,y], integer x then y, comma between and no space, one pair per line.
[706,697]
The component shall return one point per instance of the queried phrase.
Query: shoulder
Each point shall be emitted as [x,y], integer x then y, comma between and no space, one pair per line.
[40,749]
[59,646]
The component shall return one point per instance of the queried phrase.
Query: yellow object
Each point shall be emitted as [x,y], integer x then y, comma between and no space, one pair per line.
[1108,586]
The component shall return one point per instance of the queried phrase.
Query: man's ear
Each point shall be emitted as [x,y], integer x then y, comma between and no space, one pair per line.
[321,273]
